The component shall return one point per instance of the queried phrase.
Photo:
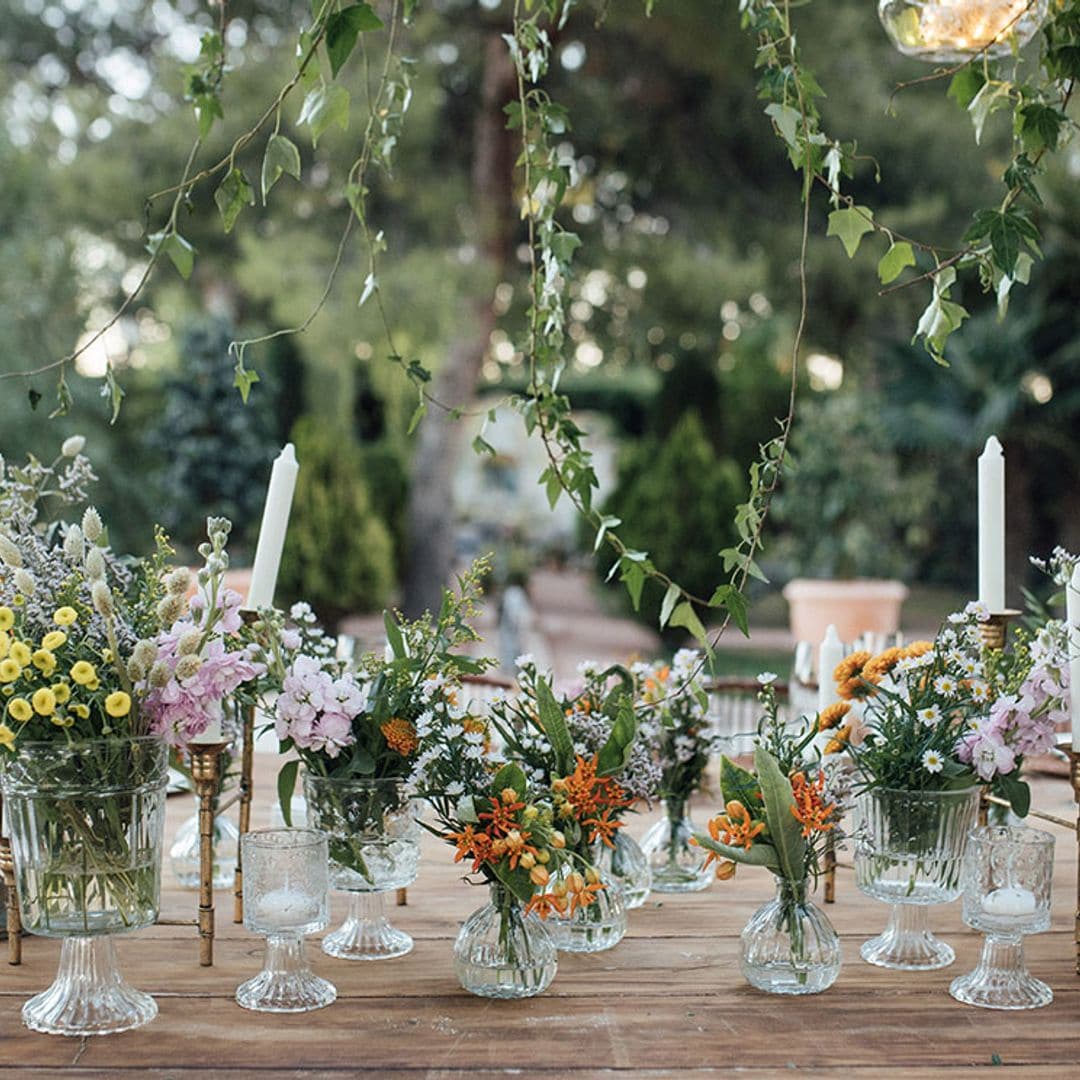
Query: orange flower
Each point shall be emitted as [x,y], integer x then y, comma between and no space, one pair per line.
[735,827]
[545,903]
[725,870]
[470,843]
[839,741]
[581,892]
[877,668]
[810,809]
[515,844]
[917,649]
[400,735]
[829,717]
[502,816]
[588,793]
[603,827]
[847,673]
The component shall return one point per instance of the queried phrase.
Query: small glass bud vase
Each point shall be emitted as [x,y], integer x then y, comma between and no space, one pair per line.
[789,946]
[952,31]
[1007,877]
[286,897]
[184,853]
[675,863]
[501,952]
[591,927]
[626,865]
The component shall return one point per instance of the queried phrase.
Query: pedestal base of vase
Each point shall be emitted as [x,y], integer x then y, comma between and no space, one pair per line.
[366,933]
[1001,979]
[907,944]
[286,983]
[89,995]
[677,865]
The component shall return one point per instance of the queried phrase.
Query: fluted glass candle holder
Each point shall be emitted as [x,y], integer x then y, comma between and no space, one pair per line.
[1007,877]
[286,896]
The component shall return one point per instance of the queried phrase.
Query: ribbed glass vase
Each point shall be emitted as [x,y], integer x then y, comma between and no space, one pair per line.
[675,863]
[594,928]
[626,865]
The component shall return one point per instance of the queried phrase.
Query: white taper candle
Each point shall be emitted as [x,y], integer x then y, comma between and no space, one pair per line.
[275,521]
[992,526]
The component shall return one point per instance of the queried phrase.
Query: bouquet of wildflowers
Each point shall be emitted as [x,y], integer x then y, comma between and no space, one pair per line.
[950,713]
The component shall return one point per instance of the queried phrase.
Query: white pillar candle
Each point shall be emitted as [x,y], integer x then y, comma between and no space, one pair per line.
[829,655]
[275,521]
[212,733]
[992,526]
[1072,618]
[1011,901]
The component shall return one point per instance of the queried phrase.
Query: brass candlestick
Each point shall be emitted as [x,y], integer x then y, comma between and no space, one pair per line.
[247,756]
[994,629]
[14,919]
[206,775]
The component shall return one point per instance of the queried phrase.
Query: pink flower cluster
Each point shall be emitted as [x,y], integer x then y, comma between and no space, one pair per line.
[316,710]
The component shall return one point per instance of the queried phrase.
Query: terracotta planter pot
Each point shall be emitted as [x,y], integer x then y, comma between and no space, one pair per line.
[864,605]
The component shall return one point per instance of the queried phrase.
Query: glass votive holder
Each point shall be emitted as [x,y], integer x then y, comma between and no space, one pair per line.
[1007,876]
[286,896]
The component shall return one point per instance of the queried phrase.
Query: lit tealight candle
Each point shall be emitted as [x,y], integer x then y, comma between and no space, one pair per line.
[286,909]
[1012,900]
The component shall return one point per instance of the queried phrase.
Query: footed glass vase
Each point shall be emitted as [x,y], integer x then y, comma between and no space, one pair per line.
[184,853]
[908,851]
[676,864]
[627,866]
[86,822]
[374,849]
[789,946]
[501,952]
[595,927]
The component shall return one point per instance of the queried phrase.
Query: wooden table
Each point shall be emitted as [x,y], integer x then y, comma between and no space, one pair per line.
[667,1002]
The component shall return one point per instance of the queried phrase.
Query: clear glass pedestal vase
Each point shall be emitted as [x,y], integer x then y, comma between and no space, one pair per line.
[676,865]
[789,946]
[86,821]
[627,866]
[594,928]
[374,849]
[1001,979]
[908,851]
[286,983]
[500,952]
[184,853]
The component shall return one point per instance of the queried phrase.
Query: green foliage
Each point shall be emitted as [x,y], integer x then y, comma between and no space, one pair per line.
[677,499]
[338,553]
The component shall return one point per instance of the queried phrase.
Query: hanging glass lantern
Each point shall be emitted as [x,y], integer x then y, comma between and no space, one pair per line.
[951,31]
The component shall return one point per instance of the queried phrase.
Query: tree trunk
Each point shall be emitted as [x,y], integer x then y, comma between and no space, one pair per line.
[431,504]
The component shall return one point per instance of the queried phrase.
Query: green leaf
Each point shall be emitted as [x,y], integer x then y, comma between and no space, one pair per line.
[1040,127]
[685,616]
[394,637]
[180,252]
[114,392]
[615,753]
[851,225]
[785,833]
[517,880]
[281,156]
[343,28]
[787,121]
[966,83]
[286,785]
[671,597]
[761,853]
[633,577]
[510,775]
[739,784]
[1017,792]
[233,194]
[244,379]
[418,414]
[992,97]
[480,445]
[894,261]
[554,724]
[323,107]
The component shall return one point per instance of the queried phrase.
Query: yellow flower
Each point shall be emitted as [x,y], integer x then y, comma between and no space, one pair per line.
[61,691]
[20,653]
[44,702]
[53,640]
[5,644]
[83,673]
[65,616]
[8,690]
[81,711]
[19,709]
[44,660]
[7,737]
[7,618]
[107,655]
[118,704]
[10,670]
[93,684]
[62,721]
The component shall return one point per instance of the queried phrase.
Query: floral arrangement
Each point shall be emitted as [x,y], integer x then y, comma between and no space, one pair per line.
[952,712]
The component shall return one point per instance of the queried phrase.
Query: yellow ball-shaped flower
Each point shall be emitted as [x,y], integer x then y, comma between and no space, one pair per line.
[65,616]
[7,737]
[10,670]
[83,672]
[44,661]
[53,640]
[94,684]
[19,709]
[5,644]
[44,702]
[81,711]
[61,691]
[118,704]
[7,618]
[21,653]
[62,721]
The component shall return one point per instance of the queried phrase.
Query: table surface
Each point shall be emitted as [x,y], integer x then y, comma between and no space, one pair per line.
[668,1001]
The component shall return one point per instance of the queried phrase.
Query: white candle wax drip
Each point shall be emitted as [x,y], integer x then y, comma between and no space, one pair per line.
[286,909]
[1010,900]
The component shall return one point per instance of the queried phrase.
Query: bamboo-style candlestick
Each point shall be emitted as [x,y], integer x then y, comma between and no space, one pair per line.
[830,869]
[247,756]
[1074,776]
[206,775]
[14,919]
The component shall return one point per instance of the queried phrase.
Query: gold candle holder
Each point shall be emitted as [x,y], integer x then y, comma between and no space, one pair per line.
[994,629]
[247,756]
[11,902]
[206,775]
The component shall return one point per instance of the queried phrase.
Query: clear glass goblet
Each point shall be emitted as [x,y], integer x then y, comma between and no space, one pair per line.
[286,896]
[1007,876]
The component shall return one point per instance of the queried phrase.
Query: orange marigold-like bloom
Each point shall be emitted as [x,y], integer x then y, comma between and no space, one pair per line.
[917,649]
[847,674]
[400,735]
[810,809]
[879,666]
[830,716]
[840,739]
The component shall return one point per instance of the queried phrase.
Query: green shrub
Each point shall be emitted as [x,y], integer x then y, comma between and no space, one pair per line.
[338,553]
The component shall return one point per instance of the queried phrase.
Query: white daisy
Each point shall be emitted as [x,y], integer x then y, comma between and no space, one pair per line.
[980,690]
[929,717]
[767,677]
[978,609]
[945,684]
[932,761]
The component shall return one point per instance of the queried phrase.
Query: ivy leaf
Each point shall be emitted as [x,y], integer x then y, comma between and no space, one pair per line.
[787,122]
[1021,175]
[244,379]
[685,616]
[323,107]
[894,261]
[114,392]
[851,225]
[180,252]
[418,414]
[342,30]
[1040,126]
[281,157]
[633,577]
[989,99]
[966,83]
[668,605]
[940,318]
[1005,230]
[733,601]
[232,195]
